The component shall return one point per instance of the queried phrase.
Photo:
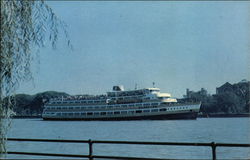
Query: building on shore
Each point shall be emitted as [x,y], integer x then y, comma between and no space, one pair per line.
[241,88]
[196,96]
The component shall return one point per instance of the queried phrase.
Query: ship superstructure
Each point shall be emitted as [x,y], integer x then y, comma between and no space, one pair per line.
[138,104]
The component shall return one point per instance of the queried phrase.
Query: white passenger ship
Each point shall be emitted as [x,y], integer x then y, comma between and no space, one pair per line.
[138,104]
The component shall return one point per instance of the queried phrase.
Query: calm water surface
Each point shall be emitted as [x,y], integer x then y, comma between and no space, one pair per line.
[223,130]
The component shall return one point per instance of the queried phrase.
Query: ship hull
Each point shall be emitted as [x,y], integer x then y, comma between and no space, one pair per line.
[174,116]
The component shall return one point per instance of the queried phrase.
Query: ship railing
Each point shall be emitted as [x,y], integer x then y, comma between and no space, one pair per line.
[73,98]
[126,95]
[179,103]
[92,156]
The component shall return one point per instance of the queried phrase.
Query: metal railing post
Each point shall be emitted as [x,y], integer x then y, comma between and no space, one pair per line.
[91,156]
[213,145]
[90,149]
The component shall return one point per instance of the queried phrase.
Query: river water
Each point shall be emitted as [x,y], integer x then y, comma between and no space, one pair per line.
[223,130]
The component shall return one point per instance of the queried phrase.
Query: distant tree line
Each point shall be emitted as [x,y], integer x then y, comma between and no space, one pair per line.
[27,105]
[229,99]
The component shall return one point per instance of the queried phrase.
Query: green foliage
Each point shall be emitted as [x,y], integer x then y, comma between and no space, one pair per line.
[33,104]
[25,25]
[225,103]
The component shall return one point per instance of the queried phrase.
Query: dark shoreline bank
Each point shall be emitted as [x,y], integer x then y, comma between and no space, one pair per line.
[199,116]
[24,117]
[220,115]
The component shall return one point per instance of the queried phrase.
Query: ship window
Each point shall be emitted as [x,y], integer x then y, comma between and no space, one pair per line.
[96,101]
[120,98]
[77,107]
[124,105]
[146,110]
[77,102]
[89,107]
[110,106]
[58,102]
[89,113]
[111,94]
[70,114]
[77,114]
[70,107]
[110,113]
[89,101]
[64,114]
[131,105]
[154,104]
[83,102]
[58,107]
[66,107]
[58,114]
[103,107]
[163,109]
[139,105]
[146,104]
[96,107]
[138,111]
[117,106]
[123,112]
[103,113]
[83,114]
[71,102]
[117,112]
[154,110]
[131,112]
[96,113]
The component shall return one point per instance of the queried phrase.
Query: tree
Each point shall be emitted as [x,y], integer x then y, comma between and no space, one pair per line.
[25,25]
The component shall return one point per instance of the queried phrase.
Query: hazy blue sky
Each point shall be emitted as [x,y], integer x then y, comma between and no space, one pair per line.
[177,45]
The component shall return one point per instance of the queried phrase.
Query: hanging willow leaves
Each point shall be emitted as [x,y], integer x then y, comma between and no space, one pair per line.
[25,25]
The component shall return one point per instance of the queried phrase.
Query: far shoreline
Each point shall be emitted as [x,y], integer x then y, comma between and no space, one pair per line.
[210,115]
[221,115]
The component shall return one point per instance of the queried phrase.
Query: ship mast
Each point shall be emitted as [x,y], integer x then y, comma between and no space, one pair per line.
[136,86]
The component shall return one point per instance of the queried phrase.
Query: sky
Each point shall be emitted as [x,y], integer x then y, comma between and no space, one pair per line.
[177,45]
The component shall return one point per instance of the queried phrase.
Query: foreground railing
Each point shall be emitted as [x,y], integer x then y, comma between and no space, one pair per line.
[90,143]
